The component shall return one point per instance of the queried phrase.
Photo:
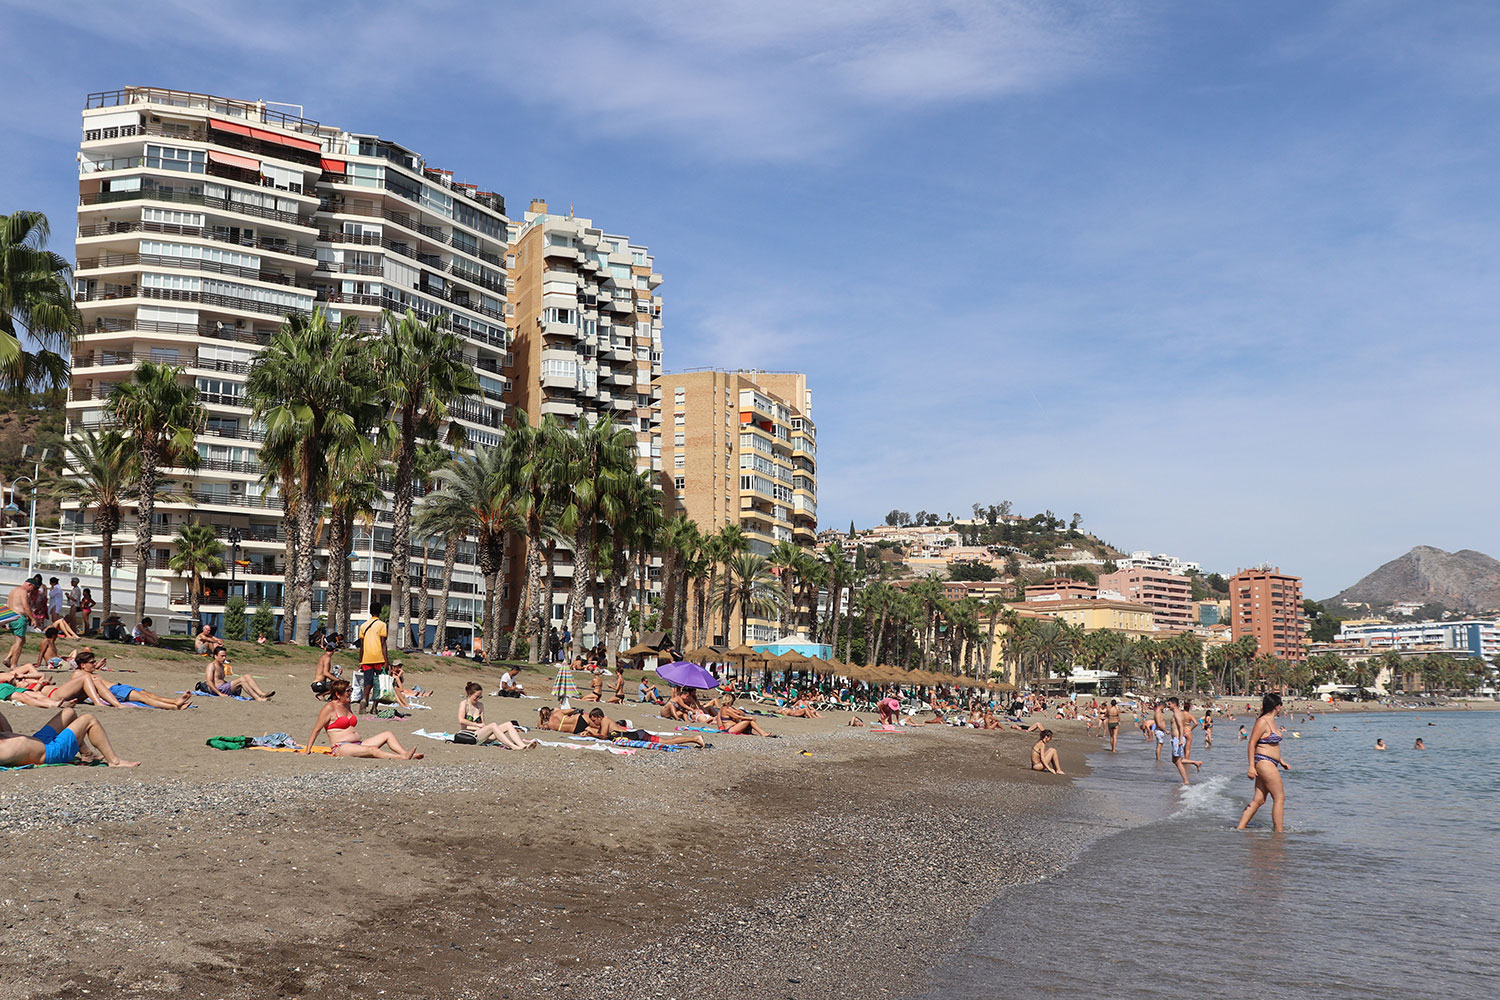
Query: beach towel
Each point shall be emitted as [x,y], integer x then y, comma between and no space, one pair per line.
[696,729]
[236,697]
[563,686]
[323,750]
[70,763]
[646,745]
[229,742]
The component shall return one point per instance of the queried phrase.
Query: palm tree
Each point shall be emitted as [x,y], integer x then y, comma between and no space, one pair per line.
[631,532]
[199,554]
[784,559]
[531,455]
[749,589]
[159,415]
[473,499]
[419,367]
[728,543]
[598,460]
[354,493]
[36,299]
[450,522]
[313,391]
[99,472]
[431,457]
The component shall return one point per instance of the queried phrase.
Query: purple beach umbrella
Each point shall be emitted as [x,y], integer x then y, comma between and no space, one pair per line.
[685,674]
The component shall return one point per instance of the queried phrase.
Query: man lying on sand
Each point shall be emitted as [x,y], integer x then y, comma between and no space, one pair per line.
[602,727]
[65,737]
[114,695]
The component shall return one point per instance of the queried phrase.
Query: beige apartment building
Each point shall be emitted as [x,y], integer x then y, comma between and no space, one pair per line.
[586,346]
[1169,595]
[740,447]
[203,222]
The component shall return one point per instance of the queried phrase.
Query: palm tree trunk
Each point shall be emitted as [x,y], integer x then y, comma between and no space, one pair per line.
[338,567]
[307,529]
[107,566]
[872,657]
[422,598]
[713,582]
[549,597]
[440,642]
[401,501]
[508,633]
[195,600]
[582,574]
[145,510]
[531,592]
[728,611]
[290,512]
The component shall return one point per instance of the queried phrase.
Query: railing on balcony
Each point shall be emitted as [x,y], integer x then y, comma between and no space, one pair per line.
[269,244]
[107,292]
[193,198]
[190,264]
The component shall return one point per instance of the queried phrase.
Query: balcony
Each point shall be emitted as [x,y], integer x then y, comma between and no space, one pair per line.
[109,292]
[192,198]
[265,244]
[113,260]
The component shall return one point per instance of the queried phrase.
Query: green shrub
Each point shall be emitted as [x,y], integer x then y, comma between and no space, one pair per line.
[263,623]
[234,618]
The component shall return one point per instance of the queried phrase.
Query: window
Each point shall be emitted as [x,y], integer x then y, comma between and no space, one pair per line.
[679,483]
[680,419]
[171,158]
[679,439]
[679,461]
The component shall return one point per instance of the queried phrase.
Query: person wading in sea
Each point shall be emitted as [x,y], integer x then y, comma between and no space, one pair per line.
[1159,728]
[1266,765]
[1112,723]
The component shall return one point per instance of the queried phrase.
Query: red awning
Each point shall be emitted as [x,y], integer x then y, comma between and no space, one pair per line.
[265,136]
[335,166]
[231,160]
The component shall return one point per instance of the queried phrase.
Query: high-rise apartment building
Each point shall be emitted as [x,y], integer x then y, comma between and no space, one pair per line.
[1169,595]
[1267,603]
[587,346]
[202,223]
[741,448]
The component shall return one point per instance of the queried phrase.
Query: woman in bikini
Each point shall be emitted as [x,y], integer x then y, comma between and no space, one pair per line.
[619,698]
[338,719]
[735,722]
[801,709]
[685,707]
[1266,764]
[562,720]
[471,720]
[1043,756]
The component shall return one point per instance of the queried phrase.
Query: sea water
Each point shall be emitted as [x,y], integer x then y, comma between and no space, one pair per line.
[1386,882]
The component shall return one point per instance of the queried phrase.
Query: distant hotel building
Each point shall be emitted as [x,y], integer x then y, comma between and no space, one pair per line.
[1475,637]
[1168,595]
[743,450]
[1267,604]
[587,346]
[202,223]
[1161,562]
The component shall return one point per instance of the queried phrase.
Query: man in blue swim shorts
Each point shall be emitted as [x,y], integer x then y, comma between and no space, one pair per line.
[60,741]
[16,616]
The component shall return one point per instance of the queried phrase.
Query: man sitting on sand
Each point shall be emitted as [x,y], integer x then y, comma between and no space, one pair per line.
[65,736]
[1044,756]
[144,634]
[218,684]
[508,687]
[647,694]
[205,641]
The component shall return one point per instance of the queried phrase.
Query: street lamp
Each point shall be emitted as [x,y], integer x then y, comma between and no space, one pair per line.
[234,552]
[30,451]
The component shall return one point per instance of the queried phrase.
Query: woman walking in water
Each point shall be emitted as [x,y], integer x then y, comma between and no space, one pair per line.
[1266,764]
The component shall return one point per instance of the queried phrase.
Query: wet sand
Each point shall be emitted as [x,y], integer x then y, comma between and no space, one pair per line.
[831,861]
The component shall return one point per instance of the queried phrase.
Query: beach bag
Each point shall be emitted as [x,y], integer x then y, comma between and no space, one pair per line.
[465,737]
[319,687]
[385,687]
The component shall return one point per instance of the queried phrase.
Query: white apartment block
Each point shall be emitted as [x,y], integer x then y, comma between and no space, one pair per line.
[1474,637]
[202,223]
[587,346]
[1145,559]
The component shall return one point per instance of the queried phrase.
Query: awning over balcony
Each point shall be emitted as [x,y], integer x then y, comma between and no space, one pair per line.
[231,160]
[263,135]
[335,166]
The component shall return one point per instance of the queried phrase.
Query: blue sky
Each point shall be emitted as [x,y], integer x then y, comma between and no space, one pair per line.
[1220,277]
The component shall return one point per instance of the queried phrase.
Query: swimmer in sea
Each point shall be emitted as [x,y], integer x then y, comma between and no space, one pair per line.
[1380,744]
[1419,745]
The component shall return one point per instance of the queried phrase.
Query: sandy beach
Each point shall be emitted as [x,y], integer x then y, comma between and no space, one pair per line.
[831,860]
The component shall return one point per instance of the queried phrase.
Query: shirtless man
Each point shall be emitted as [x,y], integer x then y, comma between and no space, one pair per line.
[1043,756]
[1159,727]
[16,615]
[1182,725]
[60,741]
[217,684]
[1112,723]
[602,727]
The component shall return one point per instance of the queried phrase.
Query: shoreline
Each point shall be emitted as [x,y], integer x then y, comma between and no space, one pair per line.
[830,861]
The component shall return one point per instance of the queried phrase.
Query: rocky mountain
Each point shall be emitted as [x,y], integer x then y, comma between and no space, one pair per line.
[1463,581]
